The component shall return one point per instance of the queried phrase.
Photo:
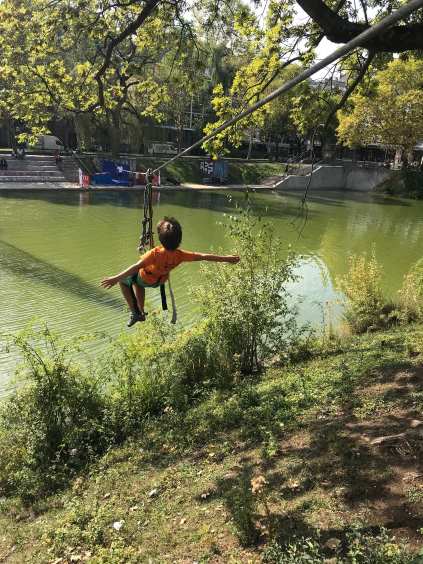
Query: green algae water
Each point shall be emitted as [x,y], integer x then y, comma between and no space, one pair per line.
[56,247]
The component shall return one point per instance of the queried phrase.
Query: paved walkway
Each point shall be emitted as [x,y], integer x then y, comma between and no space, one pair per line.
[45,186]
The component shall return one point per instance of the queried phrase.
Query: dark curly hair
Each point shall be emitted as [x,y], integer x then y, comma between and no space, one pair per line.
[170,233]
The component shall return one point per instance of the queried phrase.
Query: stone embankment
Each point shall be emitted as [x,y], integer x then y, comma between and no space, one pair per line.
[339,177]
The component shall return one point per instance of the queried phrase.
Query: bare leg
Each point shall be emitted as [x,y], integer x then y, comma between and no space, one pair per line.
[140,295]
[127,294]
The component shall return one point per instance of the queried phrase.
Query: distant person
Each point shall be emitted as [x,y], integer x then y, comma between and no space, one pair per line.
[153,268]
[57,157]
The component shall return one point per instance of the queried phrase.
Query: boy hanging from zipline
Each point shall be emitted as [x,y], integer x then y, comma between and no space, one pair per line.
[154,266]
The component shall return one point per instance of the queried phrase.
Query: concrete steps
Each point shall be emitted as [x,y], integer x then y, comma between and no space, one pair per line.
[32,168]
[14,172]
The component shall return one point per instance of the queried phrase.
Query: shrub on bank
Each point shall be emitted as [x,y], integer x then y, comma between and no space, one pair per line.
[411,294]
[407,182]
[52,425]
[365,305]
[63,416]
[158,369]
[250,321]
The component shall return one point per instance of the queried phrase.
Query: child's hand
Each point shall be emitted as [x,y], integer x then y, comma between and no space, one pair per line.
[233,259]
[109,282]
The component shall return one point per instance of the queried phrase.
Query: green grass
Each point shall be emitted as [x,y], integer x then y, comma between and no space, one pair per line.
[239,172]
[253,173]
[182,490]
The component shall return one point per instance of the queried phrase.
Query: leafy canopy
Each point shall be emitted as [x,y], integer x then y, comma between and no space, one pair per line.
[391,113]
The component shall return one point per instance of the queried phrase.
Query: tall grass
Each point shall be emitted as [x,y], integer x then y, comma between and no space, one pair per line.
[365,305]
[411,294]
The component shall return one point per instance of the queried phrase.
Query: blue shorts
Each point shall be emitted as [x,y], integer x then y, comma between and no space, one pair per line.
[136,279]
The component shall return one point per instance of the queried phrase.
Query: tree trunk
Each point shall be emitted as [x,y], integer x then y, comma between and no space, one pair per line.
[80,132]
[250,147]
[180,135]
[398,158]
[115,134]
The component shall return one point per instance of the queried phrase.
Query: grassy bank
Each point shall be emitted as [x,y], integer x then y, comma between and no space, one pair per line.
[239,172]
[188,170]
[290,466]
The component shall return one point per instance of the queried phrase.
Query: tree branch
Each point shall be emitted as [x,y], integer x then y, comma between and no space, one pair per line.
[351,87]
[340,30]
[149,7]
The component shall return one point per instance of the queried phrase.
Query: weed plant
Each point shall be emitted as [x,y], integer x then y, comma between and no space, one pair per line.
[365,305]
[411,294]
[249,319]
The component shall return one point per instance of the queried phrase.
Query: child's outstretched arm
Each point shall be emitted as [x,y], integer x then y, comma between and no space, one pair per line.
[218,258]
[131,270]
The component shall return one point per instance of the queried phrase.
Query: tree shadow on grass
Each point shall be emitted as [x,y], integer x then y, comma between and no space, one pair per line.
[366,477]
[338,469]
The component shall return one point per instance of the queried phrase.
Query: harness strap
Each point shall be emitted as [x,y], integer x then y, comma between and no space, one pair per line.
[172,298]
[163,296]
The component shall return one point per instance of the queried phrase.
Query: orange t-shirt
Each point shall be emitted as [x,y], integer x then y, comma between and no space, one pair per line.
[159,262]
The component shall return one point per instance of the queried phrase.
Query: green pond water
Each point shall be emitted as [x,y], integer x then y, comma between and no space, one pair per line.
[56,247]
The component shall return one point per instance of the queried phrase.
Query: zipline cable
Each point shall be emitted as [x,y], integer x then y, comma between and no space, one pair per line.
[357,41]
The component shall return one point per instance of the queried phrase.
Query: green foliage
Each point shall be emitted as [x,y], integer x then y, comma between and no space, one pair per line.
[360,548]
[377,549]
[406,182]
[392,113]
[366,307]
[411,294]
[54,424]
[299,551]
[246,306]
[156,370]
[261,52]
